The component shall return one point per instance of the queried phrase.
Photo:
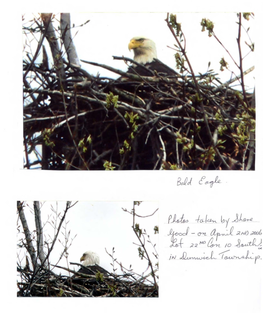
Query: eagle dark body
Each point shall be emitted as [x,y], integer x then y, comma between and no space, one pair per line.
[92,270]
[93,284]
[154,68]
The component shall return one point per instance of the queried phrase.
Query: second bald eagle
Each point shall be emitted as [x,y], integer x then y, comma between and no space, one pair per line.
[90,261]
[146,56]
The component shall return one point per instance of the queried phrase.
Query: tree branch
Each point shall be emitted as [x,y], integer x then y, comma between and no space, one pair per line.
[143,246]
[241,59]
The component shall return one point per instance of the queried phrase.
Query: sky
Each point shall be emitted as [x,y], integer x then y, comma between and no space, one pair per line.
[108,34]
[96,226]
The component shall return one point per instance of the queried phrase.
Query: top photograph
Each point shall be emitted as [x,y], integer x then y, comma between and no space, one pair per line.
[139,91]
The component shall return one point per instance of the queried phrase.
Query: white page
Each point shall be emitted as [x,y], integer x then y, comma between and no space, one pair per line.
[212,248]
[185,286]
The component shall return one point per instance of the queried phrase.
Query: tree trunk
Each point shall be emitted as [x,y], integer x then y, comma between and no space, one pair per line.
[67,39]
[39,229]
[30,248]
[55,49]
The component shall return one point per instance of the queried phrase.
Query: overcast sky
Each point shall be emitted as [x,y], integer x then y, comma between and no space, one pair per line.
[108,34]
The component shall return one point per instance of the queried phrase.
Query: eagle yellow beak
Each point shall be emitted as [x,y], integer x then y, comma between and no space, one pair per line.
[82,258]
[134,44]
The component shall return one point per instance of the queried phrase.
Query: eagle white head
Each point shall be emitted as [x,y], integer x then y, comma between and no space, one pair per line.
[90,258]
[144,50]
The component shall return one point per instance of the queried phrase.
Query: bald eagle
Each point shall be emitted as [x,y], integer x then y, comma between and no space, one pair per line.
[145,56]
[89,258]
[90,264]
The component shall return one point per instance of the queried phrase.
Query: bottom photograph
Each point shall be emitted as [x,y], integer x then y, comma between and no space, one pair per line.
[87,249]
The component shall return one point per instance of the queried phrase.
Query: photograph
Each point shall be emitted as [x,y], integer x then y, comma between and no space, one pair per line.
[87,249]
[139,91]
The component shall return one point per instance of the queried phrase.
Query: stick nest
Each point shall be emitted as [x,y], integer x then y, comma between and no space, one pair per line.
[45,283]
[135,122]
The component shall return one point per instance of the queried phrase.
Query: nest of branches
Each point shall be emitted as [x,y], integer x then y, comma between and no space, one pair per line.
[45,283]
[137,123]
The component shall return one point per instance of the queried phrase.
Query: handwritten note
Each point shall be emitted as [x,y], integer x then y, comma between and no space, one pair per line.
[207,237]
[201,181]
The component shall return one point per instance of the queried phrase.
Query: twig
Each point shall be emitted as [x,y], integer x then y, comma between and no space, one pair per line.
[143,246]
[241,59]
